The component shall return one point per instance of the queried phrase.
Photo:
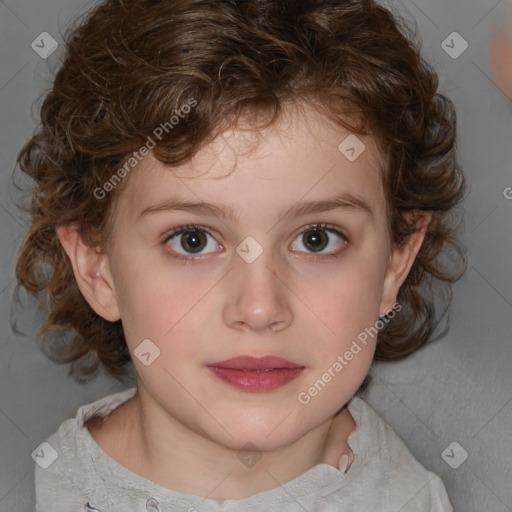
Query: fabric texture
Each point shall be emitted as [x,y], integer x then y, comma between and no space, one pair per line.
[384,476]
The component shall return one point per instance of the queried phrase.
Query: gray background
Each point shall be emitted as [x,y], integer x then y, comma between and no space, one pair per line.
[456,390]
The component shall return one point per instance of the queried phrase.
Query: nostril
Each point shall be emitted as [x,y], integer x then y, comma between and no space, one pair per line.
[242,326]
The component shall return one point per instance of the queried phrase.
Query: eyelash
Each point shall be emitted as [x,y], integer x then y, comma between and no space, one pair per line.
[196,227]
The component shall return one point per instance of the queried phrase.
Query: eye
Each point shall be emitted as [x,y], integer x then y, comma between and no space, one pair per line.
[191,240]
[316,238]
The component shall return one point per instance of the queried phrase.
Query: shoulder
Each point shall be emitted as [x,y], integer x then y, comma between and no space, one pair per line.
[384,458]
[65,473]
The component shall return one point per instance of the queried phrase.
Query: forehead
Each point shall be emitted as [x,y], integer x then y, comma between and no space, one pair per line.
[301,157]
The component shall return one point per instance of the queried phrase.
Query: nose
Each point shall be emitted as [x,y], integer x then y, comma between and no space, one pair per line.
[257,296]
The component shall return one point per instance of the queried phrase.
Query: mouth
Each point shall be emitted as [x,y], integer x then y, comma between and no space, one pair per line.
[250,363]
[257,375]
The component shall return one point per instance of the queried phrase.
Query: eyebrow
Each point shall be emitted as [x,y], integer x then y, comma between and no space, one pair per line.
[346,201]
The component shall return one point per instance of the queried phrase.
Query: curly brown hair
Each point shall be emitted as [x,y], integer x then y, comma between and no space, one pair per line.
[133,64]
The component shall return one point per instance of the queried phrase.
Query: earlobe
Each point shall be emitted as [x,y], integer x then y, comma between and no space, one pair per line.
[92,272]
[402,259]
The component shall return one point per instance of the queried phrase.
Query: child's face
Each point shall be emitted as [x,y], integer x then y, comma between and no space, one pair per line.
[292,302]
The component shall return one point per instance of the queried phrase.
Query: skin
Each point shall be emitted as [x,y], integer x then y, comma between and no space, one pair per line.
[501,58]
[290,302]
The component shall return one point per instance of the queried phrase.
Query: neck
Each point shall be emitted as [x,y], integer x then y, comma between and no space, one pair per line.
[167,452]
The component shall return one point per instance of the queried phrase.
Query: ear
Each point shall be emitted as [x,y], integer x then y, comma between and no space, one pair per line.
[402,258]
[92,272]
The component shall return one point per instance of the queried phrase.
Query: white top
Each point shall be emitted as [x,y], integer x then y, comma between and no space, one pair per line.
[384,476]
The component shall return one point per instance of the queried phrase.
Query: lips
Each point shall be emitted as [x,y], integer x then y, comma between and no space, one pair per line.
[250,363]
[256,375]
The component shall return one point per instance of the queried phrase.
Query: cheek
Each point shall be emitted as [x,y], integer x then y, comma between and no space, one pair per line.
[347,307]
[154,292]
[170,322]
[345,293]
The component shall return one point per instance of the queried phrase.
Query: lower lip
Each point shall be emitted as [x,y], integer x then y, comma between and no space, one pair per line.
[256,382]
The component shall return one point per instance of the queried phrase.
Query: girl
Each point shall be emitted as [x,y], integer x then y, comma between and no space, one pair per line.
[249,201]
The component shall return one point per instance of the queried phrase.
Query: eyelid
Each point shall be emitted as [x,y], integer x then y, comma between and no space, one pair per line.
[198,227]
[187,227]
[321,225]
[326,227]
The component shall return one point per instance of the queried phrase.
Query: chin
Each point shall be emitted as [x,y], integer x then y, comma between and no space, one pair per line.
[264,438]
[255,443]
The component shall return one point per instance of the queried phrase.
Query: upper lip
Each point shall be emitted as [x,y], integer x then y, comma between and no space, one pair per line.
[256,363]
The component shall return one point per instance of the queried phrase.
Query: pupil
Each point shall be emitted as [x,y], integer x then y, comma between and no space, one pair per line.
[193,242]
[315,237]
